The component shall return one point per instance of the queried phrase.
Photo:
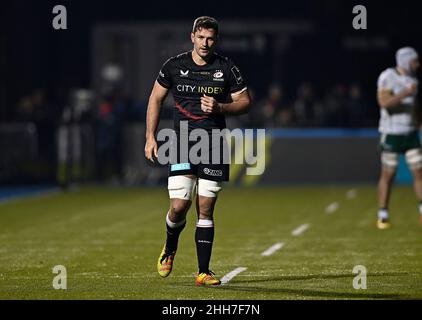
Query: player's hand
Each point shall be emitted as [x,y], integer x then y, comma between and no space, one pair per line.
[412,89]
[151,149]
[209,104]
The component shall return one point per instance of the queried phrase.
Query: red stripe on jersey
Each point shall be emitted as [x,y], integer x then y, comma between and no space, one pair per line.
[189,114]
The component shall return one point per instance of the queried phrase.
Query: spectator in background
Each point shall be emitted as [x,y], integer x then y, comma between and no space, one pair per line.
[269,110]
[272,105]
[335,106]
[357,109]
[109,119]
[25,109]
[36,108]
[307,110]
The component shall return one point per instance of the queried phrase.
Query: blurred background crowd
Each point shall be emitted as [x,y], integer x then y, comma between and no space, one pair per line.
[308,68]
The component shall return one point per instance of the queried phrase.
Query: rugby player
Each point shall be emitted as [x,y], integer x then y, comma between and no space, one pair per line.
[397,90]
[205,86]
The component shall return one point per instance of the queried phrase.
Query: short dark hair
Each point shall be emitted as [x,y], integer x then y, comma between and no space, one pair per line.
[205,22]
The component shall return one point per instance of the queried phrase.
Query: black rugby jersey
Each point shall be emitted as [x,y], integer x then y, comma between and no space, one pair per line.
[188,82]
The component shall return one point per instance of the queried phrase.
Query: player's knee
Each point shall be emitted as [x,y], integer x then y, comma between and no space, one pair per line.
[208,188]
[389,160]
[181,187]
[414,159]
[387,176]
[417,175]
[179,207]
[206,210]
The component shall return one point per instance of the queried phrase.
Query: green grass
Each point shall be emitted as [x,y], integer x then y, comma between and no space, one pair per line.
[109,240]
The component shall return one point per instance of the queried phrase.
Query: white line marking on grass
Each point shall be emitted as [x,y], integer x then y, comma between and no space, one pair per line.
[301,229]
[331,208]
[232,274]
[272,249]
[351,194]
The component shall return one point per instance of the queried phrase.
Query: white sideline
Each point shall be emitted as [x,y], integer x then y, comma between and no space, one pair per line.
[331,208]
[301,229]
[272,249]
[232,274]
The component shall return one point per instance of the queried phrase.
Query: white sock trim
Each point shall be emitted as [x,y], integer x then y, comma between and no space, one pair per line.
[382,214]
[203,223]
[174,224]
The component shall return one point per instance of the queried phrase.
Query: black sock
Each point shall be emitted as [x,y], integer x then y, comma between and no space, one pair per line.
[173,237]
[204,237]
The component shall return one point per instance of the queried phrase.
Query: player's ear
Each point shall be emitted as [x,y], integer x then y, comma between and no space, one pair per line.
[192,37]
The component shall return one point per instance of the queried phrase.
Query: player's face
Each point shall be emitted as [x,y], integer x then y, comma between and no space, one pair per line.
[204,41]
[414,65]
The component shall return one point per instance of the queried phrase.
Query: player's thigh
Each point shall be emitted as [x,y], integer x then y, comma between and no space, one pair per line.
[181,186]
[415,163]
[389,162]
[209,188]
[181,190]
[208,191]
[414,159]
[417,174]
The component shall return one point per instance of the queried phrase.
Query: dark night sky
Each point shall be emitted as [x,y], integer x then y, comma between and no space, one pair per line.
[33,54]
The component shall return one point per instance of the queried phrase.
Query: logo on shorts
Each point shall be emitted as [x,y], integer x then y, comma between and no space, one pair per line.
[215,173]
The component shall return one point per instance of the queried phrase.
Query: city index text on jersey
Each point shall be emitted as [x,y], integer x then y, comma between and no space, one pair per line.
[199,89]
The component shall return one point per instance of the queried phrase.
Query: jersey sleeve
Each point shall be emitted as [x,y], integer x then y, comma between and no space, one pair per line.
[235,79]
[164,75]
[385,81]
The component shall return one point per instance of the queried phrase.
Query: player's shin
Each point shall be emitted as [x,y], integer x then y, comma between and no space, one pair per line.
[204,237]
[173,232]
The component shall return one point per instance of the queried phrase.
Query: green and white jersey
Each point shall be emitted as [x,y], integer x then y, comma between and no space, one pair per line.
[397,120]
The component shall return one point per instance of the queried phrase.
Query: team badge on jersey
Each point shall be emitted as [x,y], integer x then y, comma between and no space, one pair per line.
[218,75]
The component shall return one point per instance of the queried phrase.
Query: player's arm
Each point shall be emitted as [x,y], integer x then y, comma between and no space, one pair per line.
[417,112]
[387,100]
[155,101]
[240,104]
